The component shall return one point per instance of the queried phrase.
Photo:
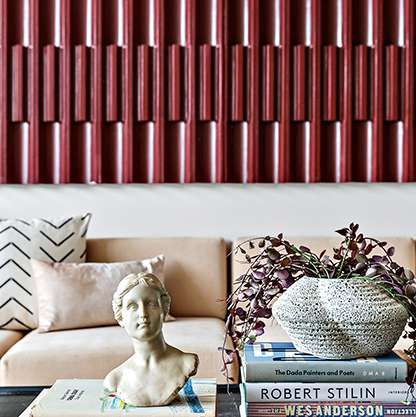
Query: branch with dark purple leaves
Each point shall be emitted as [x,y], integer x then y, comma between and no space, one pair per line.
[274,264]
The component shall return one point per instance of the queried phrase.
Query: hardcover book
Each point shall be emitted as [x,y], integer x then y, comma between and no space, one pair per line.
[87,397]
[270,392]
[326,409]
[277,361]
[28,411]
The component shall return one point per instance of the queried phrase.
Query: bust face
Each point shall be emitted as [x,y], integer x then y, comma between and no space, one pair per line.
[142,313]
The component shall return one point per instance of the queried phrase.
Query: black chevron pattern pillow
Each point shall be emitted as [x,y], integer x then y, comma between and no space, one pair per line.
[57,240]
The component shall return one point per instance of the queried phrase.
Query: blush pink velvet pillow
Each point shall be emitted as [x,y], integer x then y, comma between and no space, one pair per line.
[73,296]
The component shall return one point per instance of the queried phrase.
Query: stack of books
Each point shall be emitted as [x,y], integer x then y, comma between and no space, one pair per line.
[279,381]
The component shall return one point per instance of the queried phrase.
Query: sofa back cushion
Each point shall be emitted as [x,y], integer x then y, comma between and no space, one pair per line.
[195,269]
[404,254]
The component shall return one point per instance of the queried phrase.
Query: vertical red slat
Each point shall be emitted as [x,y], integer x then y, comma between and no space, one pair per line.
[174,83]
[190,99]
[65,87]
[159,130]
[409,96]
[222,95]
[34,92]
[112,87]
[80,85]
[377,139]
[3,91]
[315,117]
[285,79]
[96,174]
[299,61]
[174,114]
[206,124]
[361,82]
[330,83]
[268,92]
[127,91]
[237,87]
[113,63]
[17,84]
[49,82]
[159,94]
[143,79]
[253,92]
[82,129]
[49,133]
[205,99]
[346,119]
[392,83]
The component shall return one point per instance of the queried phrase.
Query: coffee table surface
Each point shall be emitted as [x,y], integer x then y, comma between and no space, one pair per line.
[16,399]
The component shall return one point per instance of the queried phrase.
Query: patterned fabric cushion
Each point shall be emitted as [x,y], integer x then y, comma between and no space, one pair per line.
[57,240]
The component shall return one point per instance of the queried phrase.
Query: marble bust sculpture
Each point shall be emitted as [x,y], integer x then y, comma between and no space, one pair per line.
[156,371]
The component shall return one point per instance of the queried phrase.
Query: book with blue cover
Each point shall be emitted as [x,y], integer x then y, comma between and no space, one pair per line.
[281,362]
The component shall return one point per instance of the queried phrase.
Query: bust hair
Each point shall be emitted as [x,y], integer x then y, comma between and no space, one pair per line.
[133,280]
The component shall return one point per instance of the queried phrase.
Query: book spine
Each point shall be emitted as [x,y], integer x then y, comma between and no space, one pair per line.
[310,392]
[281,409]
[328,371]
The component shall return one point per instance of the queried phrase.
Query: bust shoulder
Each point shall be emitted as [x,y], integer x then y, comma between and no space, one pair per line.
[186,362]
[190,362]
[112,379]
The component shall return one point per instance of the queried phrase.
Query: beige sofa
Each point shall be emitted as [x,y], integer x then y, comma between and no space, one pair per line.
[196,278]
[198,281]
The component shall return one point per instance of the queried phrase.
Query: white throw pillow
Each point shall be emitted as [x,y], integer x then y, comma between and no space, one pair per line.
[73,296]
[55,240]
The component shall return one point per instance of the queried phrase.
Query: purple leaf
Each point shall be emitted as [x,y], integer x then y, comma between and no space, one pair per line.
[287,282]
[264,312]
[249,292]
[342,232]
[282,274]
[259,325]
[272,291]
[409,274]
[390,251]
[257,275]
[273,254]
[398,289]
[410,291]
[240,313]
[241,297]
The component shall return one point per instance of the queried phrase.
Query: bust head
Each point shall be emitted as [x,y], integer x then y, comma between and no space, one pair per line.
[140,305]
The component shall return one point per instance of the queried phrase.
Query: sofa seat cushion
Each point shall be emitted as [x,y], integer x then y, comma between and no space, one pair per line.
[41,358]
[8,338]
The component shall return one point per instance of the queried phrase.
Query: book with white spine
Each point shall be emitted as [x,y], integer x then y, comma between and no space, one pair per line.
[87,398]
[27,412]
[325,391]
[281,361]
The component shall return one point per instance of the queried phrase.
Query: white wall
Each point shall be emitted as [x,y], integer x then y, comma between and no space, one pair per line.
[221,210]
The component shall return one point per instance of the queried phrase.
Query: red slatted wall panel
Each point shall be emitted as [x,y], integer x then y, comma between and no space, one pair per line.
[150,91]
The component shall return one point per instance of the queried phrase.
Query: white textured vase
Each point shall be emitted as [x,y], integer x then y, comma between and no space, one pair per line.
[340,318]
